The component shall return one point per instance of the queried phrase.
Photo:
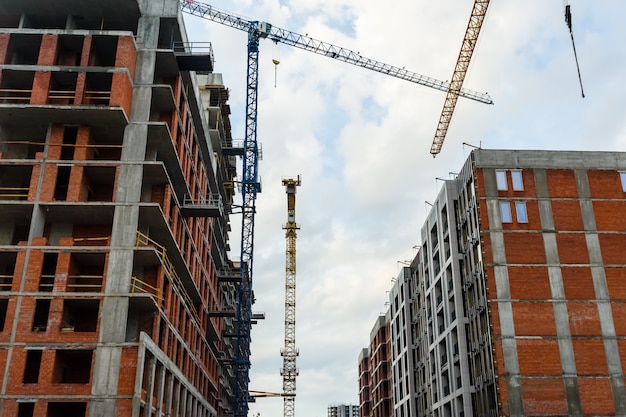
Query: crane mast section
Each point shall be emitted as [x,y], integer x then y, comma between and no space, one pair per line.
[287,37]
[289,353]
[458,77]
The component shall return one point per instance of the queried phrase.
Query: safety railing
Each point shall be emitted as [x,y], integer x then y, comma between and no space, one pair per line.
[170,272]
[92,241]
[6,282]
[10,95]
[16,193]
[84,283]
[138,285]
[94,97]
[46,283]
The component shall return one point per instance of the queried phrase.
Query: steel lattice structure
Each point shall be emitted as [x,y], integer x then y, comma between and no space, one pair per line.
[290,352]
[465,55]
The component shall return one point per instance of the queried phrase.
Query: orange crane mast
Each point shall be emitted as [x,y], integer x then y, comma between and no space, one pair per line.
[467,49]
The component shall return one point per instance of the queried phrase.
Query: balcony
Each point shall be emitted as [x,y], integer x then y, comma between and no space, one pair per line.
[210,206]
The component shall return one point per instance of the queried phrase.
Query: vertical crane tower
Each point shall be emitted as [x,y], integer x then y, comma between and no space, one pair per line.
[290,352]
[250,184]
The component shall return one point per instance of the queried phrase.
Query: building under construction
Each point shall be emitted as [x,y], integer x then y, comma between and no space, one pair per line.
[515,299]
[116,182]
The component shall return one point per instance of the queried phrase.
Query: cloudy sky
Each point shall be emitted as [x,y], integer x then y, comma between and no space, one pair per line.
[361,142]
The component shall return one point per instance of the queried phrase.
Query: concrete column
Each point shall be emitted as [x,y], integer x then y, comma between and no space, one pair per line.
[115,308]
[505,308]
[559,304]
[603,302]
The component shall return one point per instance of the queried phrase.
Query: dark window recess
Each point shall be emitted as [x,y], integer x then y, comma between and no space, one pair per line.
[48,271]
[69,140]
[7,269]
[4,305]
[63,183]
[80,315]
[20,233]
[31,370]
[72,367]
[25,409]
[67,409]
[40,320]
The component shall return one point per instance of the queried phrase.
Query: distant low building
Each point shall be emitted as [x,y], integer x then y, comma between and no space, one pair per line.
[365,400]
[377,380]
[343,410]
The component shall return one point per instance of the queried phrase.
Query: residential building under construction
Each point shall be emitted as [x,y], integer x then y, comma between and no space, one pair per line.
[116,182]
[375,389]
[517,292]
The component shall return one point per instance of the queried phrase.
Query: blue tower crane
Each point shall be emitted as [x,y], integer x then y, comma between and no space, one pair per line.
[250,184]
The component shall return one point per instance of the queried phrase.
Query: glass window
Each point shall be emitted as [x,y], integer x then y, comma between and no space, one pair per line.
[501,180]
[520,210]
[518,183]
[505,212]
[622,175]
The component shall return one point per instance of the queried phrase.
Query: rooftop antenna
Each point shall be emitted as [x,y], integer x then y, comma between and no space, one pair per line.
[568,21]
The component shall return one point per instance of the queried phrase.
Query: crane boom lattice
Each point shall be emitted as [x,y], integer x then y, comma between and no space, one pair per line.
[289,353]
[465,55]
[287,37]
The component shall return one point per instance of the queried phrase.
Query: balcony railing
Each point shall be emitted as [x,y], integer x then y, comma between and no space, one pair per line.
[84,283]
[138,285]
[90,97]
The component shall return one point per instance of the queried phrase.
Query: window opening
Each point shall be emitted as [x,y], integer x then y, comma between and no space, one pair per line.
[25,409]
[501,180]
[622,176]
[33,363]
[48,271]
[40,319]
[520,209]
[69,409]
[69,140]
[518,183]
[80,315]
[505,212]
[72,367]
[4,305]
[63,183]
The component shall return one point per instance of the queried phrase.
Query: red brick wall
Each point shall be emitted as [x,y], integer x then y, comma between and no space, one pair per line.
[544,396]
[539,359]
[524,248]
[4,46]
[567,215]
[596,396]
[605,184]
[561,183]
[520,276]
[584,319]
[526,319]
[578,283]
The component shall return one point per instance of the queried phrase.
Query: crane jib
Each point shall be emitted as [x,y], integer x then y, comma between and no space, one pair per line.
[287,37]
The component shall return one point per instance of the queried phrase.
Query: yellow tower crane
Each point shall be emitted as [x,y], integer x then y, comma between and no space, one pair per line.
[460,70]
[289,352]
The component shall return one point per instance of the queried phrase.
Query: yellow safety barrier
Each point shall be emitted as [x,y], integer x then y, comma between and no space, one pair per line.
[144,287]
[170,272]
